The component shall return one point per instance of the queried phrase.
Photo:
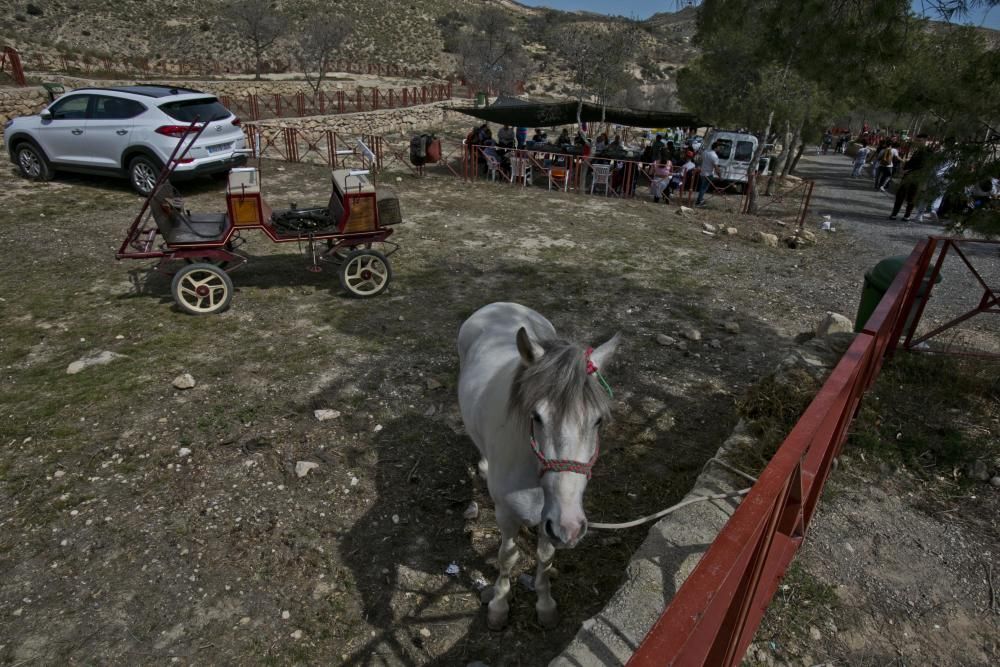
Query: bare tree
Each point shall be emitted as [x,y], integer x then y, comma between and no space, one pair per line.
[257,23]
[600,59]
[319,39]
[491,55]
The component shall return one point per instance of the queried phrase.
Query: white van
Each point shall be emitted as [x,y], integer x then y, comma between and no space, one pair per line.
[735,152]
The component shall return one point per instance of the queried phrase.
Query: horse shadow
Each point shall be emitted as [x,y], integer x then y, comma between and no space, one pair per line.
[421,464]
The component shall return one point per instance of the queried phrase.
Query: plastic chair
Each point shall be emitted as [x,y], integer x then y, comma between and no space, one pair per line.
[559,176]
[493,166]
[602,176]
[520,170]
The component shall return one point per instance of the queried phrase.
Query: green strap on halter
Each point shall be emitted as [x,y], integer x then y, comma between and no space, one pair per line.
[604,383]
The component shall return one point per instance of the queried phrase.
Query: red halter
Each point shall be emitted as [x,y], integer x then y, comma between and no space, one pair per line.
[567,465]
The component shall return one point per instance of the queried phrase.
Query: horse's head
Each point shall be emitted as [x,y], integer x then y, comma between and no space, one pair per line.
[557,392]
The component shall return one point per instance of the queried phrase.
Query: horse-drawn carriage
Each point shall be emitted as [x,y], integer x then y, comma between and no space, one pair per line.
[346,231]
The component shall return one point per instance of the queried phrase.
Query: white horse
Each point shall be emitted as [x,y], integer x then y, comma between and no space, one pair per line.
[533,405]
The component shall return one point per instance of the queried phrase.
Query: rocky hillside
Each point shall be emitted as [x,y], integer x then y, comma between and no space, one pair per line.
[411,33]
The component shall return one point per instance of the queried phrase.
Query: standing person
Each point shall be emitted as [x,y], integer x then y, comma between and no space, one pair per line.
[859,161]
[883,166]
[709,169]
[522,137]
[827,141]
[910,185]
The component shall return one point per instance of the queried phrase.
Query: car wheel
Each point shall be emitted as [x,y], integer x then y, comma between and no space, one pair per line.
[221,175]
[142,174]
[32,163]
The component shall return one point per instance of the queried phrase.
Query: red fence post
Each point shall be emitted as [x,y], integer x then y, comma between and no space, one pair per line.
[340,101]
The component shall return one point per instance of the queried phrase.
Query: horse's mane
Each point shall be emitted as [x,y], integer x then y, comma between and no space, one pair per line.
[560,377]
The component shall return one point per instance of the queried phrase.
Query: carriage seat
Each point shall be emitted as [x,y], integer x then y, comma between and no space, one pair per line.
[184,227]
[320,217]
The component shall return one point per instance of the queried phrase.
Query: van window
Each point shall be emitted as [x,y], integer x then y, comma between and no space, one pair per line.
[744,151]
[724,148]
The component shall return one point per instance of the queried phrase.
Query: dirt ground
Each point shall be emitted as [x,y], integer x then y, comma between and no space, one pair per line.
[119,547]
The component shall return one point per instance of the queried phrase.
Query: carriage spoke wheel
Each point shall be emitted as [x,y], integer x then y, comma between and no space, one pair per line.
[365,273]
[202,289]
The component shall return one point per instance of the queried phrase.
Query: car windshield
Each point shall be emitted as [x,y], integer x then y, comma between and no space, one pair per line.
[205,109]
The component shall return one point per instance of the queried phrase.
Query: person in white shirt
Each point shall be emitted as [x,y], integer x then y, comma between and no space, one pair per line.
[860,159]
[709,169]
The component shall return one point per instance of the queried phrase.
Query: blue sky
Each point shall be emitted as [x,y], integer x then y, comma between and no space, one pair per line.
[644,8]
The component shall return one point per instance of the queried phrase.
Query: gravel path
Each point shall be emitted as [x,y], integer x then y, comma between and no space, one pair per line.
[860,214]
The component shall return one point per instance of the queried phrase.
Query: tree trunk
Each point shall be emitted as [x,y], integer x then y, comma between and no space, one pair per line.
[789,163]
[752,171]
[798,154]
[781,159]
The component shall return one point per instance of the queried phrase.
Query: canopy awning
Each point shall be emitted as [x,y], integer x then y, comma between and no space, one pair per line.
[547,114]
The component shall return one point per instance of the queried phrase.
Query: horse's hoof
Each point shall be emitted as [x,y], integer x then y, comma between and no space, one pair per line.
[496,621]
[548,618]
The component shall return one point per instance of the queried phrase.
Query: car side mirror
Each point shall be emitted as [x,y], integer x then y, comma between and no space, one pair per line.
[45,114]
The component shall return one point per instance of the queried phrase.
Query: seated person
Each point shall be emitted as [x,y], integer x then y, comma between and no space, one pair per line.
[661,172]
[601,143]
[687,171]
[564,138]
[505,137]
[539,136]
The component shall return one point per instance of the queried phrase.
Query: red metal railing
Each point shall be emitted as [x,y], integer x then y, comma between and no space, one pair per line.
[11,57]
[292,144]
[989,301]
[296,105]
[713,617]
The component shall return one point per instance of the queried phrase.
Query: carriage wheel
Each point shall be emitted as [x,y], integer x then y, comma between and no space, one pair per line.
[365,273]
[202,289]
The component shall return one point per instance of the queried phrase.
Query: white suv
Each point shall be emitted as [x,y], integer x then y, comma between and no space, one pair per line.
[129,131]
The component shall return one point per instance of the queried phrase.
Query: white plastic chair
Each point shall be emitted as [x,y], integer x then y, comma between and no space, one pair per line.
[520,170]
[493,166]
[602,176]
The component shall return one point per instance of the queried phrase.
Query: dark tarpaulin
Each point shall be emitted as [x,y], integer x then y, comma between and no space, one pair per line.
[547,114]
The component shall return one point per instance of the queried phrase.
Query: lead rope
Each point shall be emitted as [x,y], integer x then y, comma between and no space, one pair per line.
[683,503]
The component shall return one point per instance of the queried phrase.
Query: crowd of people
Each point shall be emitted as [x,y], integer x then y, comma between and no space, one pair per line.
[667,164]
[924,172]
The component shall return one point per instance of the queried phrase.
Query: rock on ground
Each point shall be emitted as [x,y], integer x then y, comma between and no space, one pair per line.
[324,414]
[98,359]
[833,323]
[184,381]
[302,468]
[770,240]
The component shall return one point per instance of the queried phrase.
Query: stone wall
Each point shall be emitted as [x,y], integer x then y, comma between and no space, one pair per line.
[385,121]
[243,87]
[21,102]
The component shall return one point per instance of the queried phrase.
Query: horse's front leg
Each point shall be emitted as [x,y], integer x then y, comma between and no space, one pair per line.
[548,615]
[499,607]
